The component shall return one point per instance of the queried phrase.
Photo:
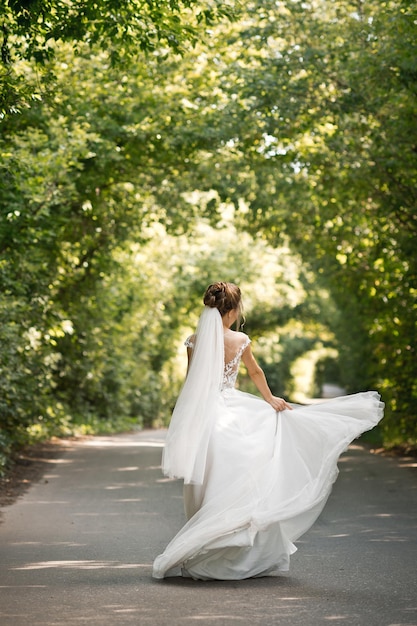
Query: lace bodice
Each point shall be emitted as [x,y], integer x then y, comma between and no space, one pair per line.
[231,368]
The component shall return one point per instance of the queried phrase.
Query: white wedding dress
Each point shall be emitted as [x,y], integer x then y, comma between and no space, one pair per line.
[267,478]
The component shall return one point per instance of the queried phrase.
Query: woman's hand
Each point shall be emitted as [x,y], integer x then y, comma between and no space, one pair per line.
[279,404]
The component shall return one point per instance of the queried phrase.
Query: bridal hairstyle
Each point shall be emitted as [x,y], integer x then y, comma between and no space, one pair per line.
[224,297]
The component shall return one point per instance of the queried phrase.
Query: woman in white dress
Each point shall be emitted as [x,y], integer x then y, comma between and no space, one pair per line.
[257,472]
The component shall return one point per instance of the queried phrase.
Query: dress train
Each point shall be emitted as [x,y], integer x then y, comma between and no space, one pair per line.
[268,476]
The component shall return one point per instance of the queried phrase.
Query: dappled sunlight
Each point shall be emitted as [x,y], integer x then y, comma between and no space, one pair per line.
[231,609]
[390,536]
[390,540]
[81,565]
[119,442]
[375,534]
[125,486]
[353,447]
[53,461]
[23,586]
[64,544]
[385,536]
[97,514]
[216,617]
[54,502]
[116,514]
[119,482]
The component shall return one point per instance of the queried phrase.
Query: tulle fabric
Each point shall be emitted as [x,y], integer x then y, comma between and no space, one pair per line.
[198,405]
[267,478]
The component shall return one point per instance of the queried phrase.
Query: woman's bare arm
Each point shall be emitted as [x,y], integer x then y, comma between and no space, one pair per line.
[258,377]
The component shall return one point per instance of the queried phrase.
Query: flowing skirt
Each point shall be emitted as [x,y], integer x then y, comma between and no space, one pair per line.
[268,476]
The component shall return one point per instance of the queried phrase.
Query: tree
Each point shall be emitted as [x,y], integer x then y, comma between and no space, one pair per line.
[34,30]
[314,110]
[300,116]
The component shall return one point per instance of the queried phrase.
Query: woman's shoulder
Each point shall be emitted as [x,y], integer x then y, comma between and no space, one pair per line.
[190,341]
[241,339]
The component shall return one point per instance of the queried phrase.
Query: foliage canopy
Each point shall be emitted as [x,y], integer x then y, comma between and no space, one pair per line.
[278,152]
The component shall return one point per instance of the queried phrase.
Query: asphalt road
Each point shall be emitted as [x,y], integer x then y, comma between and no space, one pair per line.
[77,548]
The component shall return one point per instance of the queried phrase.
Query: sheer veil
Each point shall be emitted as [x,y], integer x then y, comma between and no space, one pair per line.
[186,445]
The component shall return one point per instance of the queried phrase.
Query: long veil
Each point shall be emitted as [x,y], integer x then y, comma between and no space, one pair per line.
[186,445]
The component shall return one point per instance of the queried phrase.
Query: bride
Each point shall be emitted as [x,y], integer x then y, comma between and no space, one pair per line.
[257,472]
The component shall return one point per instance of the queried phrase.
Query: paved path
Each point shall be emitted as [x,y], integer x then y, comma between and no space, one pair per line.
[77,549]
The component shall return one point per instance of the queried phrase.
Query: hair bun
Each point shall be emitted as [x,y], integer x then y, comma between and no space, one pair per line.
[210,301]
[222,296]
